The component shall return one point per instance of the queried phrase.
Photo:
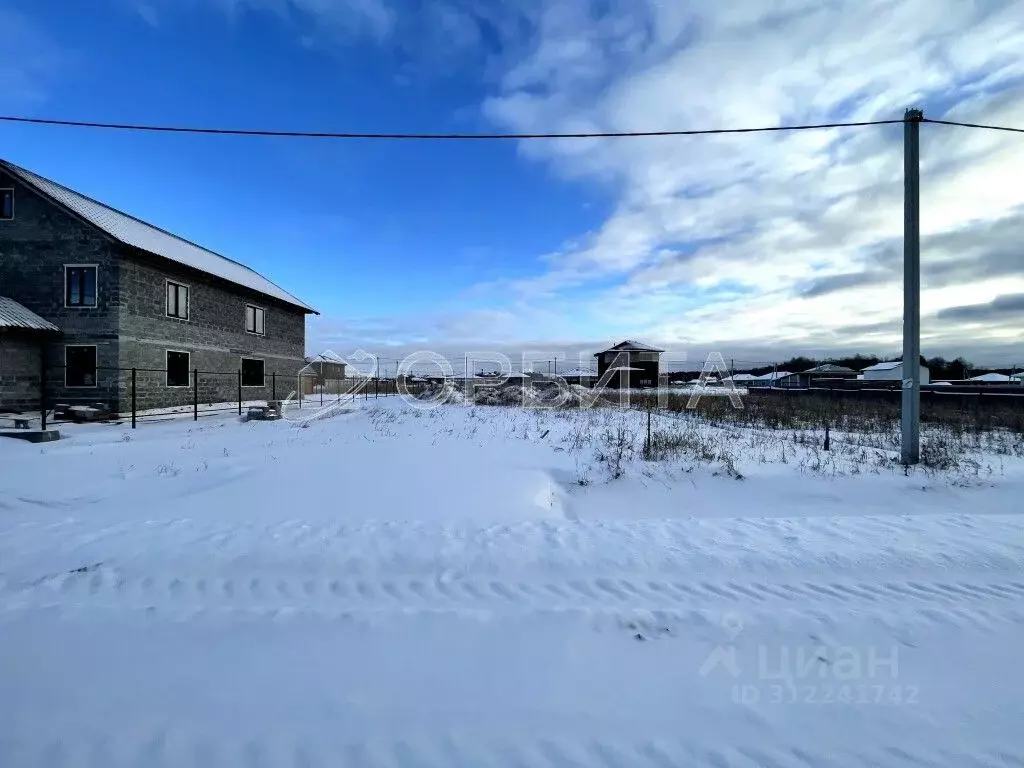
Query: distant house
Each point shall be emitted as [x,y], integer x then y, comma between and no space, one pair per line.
[743,378]
[125,294]
[775,379]
[322,373]
[634,365]
[892,371]
[326,365]
[821,375]
[992,378]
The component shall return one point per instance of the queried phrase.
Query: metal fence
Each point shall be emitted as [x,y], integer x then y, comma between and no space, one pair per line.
[156,394]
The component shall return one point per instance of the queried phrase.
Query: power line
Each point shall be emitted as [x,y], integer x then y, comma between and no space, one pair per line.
[975,125]
[430,136]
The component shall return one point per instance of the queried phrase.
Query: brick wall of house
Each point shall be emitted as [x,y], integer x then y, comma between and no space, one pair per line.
[214,335]
[34,247]
[20,359]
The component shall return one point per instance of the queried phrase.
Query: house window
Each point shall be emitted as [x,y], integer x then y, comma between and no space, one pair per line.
[252,372]
[80,286]
[6,204]
[80,366]
[177,369]
[255,320]
[177,300]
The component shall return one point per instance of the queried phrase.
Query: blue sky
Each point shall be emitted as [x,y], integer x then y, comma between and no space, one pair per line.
[690,243]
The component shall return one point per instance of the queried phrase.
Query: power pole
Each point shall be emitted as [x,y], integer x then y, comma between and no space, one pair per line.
[910,422]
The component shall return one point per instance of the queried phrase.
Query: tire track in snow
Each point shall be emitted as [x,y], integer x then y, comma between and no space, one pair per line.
[972,602]
[160,747]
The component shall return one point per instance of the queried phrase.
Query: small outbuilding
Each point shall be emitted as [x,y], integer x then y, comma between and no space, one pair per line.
[892,371]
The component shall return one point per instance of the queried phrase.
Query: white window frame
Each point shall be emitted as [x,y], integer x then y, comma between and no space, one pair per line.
[167,369]
[188,300]
[11,190]
[64,287]
[254,386]
[245,319]
[96,368]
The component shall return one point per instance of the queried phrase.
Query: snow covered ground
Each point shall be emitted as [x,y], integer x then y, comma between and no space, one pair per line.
[468,587]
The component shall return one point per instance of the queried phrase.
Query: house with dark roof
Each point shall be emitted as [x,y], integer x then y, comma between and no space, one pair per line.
[121,294]
[634,365]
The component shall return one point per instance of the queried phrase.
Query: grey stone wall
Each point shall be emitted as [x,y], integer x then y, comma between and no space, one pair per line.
[34,248]
[20,358]
[214,335]
[129,325]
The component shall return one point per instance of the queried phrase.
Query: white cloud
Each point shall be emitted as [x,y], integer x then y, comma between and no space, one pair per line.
[792,207]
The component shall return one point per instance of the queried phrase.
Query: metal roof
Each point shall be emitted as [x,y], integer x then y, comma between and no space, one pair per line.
[138,234]
[830,368]
[630,346]
[13,315]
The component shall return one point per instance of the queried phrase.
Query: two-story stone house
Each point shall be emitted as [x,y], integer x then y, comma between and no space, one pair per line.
[638,365]
[125,294]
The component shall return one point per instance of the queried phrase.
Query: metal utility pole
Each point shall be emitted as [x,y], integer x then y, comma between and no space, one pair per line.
[910,423]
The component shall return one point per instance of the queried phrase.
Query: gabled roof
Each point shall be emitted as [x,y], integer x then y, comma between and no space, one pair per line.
[991,377]
[578,372]
[887,366]
[629,346]
[774,375]
[146,237]
[13,315]
[327,357]
[743,377]
[830,368]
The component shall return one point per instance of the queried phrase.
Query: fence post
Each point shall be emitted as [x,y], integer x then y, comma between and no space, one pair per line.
[324,381]
[239,391]
[273,385]
[133,398]
[42,388]
[195,394]
[375,382]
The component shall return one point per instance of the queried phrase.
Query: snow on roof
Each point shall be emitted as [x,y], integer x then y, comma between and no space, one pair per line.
[577,372]
[992,377]
[774,375]
[327,357]
[13,315]
[889,365]
[627,346]
[743,377]
[138,234]
[830,368]
[1017,375]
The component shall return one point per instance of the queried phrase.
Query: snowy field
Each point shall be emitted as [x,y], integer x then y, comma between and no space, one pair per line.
[493,587]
